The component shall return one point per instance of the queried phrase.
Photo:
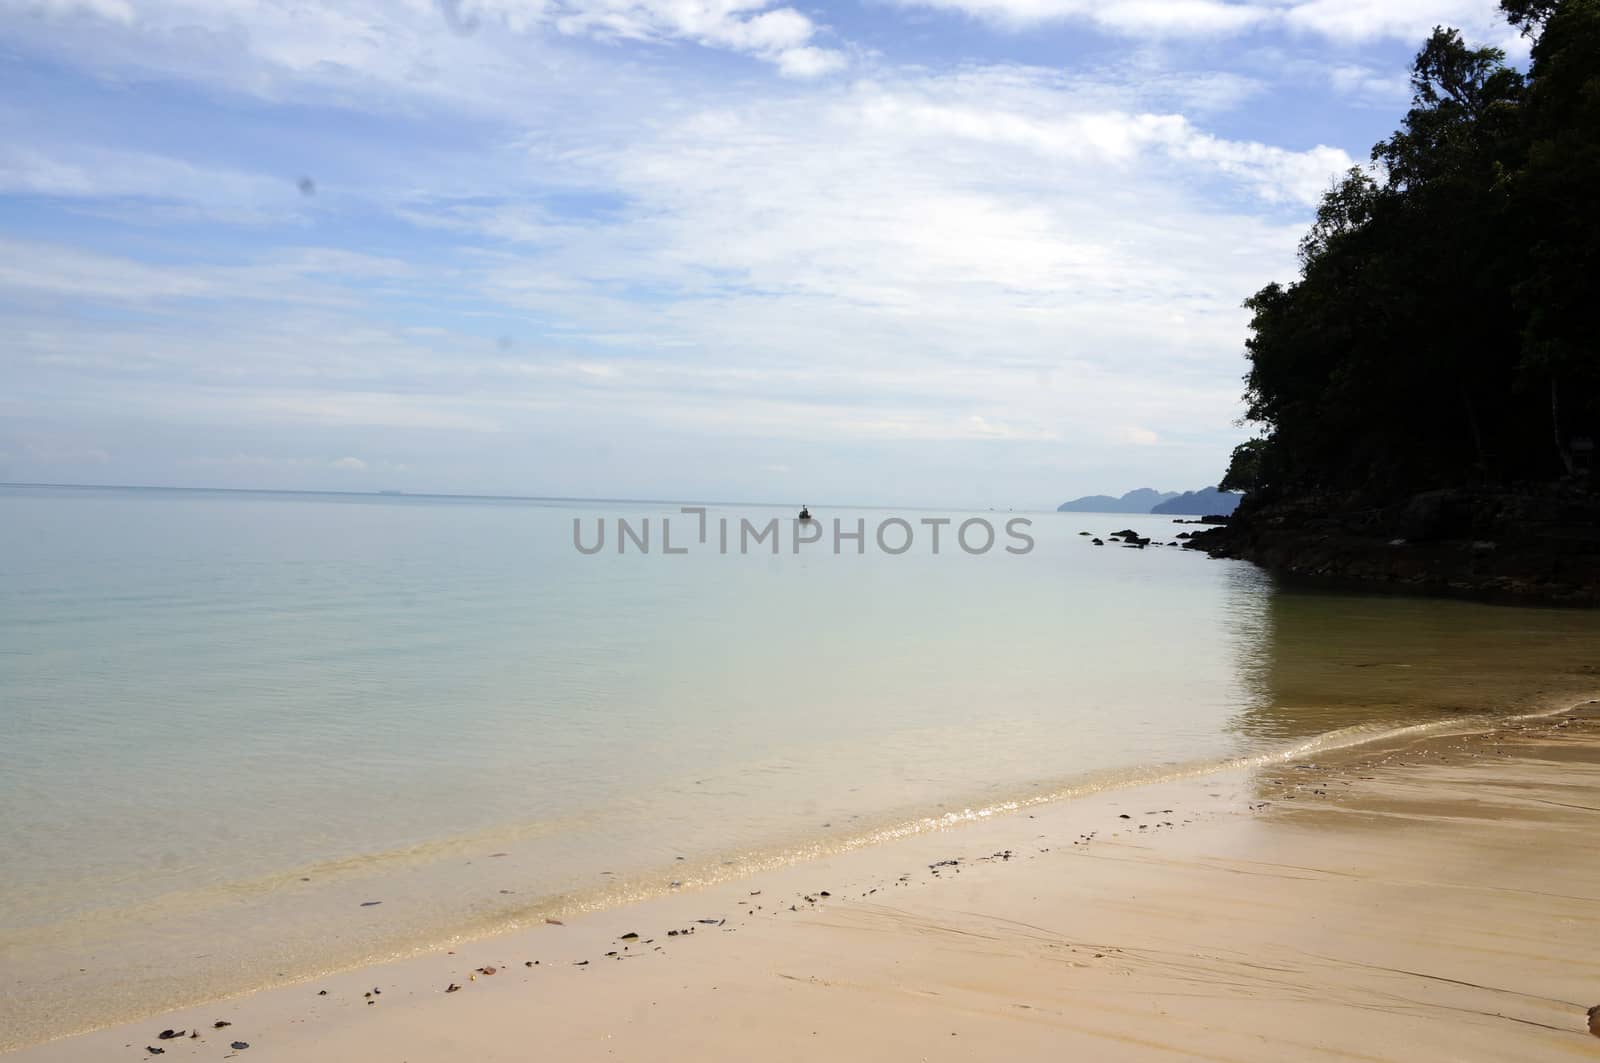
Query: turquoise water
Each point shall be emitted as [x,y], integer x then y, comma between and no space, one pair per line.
[242,715]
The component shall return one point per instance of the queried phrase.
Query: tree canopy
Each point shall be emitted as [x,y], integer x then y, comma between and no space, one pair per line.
[1445,324]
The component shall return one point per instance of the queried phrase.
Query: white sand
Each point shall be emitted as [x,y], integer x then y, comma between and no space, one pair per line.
[1439,901]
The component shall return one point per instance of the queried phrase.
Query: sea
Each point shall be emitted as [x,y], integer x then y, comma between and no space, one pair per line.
[252,737]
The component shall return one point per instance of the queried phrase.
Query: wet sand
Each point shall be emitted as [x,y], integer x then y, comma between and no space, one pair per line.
[1431,899]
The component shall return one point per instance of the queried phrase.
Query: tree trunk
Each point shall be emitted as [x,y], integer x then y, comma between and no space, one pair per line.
[1555,428]
[1472,423]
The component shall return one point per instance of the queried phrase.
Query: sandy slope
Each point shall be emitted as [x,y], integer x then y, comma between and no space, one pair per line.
[1433,901]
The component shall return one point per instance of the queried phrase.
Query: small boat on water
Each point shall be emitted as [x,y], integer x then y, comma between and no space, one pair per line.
[805,512]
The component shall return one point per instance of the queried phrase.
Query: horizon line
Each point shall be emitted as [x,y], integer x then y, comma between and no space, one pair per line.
[397,493]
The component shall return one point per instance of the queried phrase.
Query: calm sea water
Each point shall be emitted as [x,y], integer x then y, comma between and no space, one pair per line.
[227,720]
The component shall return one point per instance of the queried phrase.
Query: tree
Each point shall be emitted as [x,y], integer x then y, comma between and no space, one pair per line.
[1244,469]
[1442,329]
[1556,204]
[1528,15]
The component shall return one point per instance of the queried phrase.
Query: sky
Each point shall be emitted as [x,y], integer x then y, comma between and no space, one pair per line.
[902,252]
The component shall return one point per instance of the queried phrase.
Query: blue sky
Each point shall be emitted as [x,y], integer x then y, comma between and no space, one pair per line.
[930,252]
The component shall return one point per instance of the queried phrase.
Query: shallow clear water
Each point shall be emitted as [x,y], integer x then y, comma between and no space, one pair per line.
[227,720]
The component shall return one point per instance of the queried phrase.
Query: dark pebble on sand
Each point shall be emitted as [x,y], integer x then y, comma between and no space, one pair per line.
[452,988]
[629,936]
[220,1023]
[239,1046]
[167,1035]
[370,904]
[154,1051]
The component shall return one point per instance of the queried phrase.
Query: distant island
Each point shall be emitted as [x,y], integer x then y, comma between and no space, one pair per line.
[1427,390]
[1140,500]
[1207,501]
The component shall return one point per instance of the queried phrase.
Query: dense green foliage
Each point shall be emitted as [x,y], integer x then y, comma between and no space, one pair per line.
[1445,329]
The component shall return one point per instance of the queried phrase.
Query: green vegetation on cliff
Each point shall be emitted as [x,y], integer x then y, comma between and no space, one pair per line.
[1445,329]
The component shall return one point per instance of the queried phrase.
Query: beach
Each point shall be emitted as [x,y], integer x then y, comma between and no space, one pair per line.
[945,530]
[249,739]
[1430,897]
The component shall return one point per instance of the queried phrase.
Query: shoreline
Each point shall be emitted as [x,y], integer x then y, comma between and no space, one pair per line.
[1211,814]
[413,884]
[1522,547]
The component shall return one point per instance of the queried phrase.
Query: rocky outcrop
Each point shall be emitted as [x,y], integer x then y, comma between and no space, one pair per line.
[1535,545]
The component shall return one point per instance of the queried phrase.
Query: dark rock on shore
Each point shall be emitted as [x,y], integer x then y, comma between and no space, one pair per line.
[1536,545]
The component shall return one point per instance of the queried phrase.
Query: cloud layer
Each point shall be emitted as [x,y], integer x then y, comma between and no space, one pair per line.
[1340,20]
[567,248]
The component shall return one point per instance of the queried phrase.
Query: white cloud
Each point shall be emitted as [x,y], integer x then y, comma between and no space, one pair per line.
[990,255]
[302,275]
[1380,88]
[1115,138]
[114,10]
[1407,20]
[997,255]
[809,62]
[1135,17]
[779,35]
[1015,260]
[1136,436]
[414,45]
[88,171]
[954,258]
[1275,173]
[1341,20]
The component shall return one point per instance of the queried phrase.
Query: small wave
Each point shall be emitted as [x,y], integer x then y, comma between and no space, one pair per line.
[751,862]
